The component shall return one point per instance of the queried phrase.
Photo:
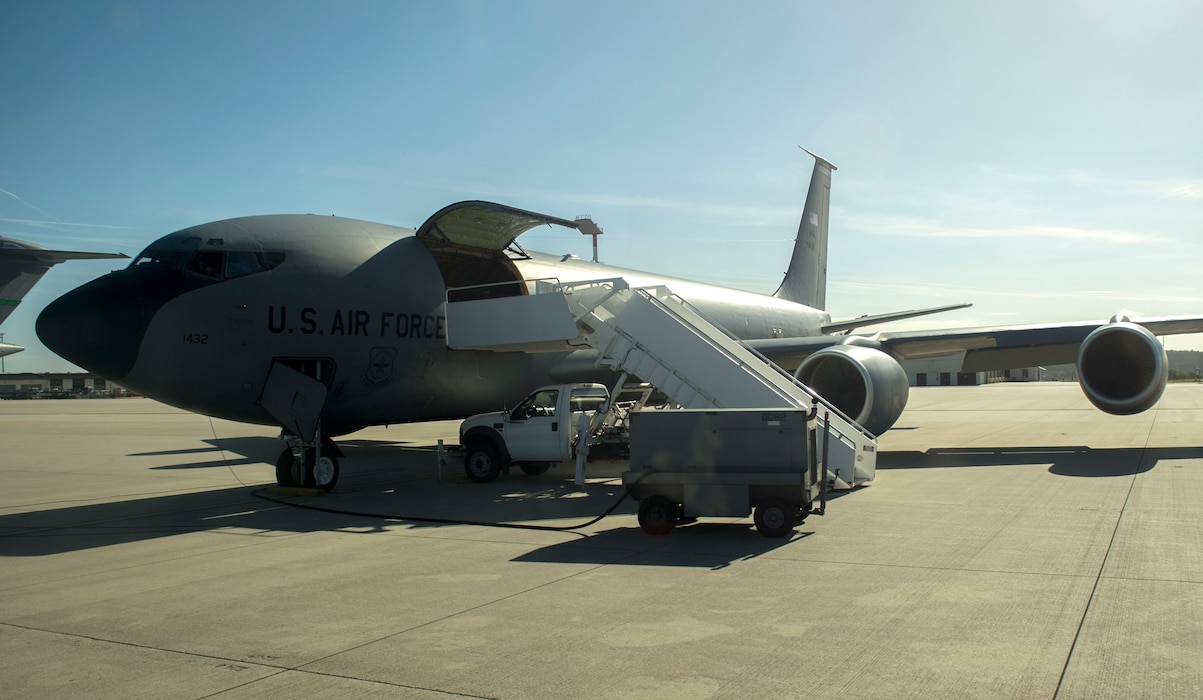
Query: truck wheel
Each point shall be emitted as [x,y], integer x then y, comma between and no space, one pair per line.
[774,518]
[534,468]
[482,463]
[657,515]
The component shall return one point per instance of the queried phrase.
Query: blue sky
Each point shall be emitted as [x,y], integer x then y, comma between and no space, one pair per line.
[1041,160]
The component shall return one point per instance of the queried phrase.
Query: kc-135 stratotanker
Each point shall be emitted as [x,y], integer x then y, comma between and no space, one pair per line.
[325,325]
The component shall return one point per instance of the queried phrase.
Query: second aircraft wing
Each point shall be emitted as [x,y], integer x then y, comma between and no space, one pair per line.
[986,348]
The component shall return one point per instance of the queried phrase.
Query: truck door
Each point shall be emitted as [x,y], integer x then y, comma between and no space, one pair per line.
[535,431]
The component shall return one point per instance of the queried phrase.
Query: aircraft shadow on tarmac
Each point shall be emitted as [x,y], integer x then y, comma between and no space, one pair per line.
[1063,461]
[384,487]
[388,479]
[226,452]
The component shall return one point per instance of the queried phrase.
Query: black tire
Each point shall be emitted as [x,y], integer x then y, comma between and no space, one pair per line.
[774,517]
[289,472]
[482,463]
[657,515]
[534,468]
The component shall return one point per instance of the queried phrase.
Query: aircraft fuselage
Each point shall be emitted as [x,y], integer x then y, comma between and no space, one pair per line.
[199,318]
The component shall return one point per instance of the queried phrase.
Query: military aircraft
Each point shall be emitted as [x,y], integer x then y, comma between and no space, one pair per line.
[325,325]
[22,264]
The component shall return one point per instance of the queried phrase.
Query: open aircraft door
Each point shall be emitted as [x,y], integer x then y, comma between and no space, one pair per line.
[489,303]
[474,243]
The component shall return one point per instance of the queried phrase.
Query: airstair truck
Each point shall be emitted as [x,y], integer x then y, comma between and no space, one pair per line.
[685,463]
[692,463]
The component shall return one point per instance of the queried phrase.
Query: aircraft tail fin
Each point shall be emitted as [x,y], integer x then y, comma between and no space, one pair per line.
[806,279]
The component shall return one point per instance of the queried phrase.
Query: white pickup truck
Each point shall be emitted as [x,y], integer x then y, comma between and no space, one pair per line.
[540,431]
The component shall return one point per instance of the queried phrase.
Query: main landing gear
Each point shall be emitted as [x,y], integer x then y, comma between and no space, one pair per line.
[308,466]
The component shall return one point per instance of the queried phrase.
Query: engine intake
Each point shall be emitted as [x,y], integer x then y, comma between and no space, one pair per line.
[864,383]
[1122,368]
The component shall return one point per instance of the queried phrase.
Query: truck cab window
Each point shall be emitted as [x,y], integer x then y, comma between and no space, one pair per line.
[587,399]
[540,403]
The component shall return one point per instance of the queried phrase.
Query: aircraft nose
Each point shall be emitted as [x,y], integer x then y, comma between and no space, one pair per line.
[98,326]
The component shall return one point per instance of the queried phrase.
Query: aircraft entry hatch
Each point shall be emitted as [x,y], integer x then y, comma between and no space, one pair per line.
[473,243]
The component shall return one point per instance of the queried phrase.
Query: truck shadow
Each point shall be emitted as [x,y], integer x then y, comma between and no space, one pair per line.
[709,544]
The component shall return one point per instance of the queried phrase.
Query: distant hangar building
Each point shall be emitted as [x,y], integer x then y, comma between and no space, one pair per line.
[46,385]
[939,371]
[945,371]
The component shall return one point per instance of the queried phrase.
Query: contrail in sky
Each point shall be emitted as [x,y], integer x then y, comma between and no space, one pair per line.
[22,201]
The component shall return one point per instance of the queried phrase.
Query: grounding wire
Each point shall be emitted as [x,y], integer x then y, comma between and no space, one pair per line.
[264,495]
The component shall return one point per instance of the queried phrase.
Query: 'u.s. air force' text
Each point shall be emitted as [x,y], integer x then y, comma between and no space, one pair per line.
[355,322]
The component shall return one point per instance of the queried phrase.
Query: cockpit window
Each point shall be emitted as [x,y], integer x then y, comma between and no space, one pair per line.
[208,263]
[161,259]
[240,264]
[211,264]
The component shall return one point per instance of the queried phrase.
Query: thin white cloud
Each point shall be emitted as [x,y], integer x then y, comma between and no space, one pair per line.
[972,294]
[935,228]
[1187,190]
[66,234]
[56,223]
[1109,185]
[744,216]
[731,214]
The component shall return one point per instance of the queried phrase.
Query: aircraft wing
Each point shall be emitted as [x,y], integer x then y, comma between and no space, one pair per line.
[986,348]
[22,264]
[861,321]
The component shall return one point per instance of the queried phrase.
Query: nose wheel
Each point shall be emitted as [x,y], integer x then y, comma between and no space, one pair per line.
[307,470]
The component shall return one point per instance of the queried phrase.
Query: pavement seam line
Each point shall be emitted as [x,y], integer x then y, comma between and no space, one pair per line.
[1106,556]
[197,655]
[474,608]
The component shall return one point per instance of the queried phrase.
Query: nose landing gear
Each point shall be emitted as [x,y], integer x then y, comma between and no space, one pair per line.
[307,466]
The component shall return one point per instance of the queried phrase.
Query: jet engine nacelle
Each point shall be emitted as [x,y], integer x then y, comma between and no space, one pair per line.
[866,384]
[1122,368]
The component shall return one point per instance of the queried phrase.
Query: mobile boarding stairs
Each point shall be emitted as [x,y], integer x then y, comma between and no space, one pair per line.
[649,333]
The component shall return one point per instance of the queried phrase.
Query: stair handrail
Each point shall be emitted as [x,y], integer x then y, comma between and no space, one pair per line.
[759,355]
[618,284]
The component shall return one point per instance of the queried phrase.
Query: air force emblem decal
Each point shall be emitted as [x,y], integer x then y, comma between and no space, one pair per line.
[380,365]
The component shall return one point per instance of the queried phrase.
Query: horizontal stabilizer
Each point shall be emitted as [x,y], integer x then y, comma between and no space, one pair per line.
[24,251]
[862,321]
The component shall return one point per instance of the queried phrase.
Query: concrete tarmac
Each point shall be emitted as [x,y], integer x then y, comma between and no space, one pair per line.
[1016,543]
